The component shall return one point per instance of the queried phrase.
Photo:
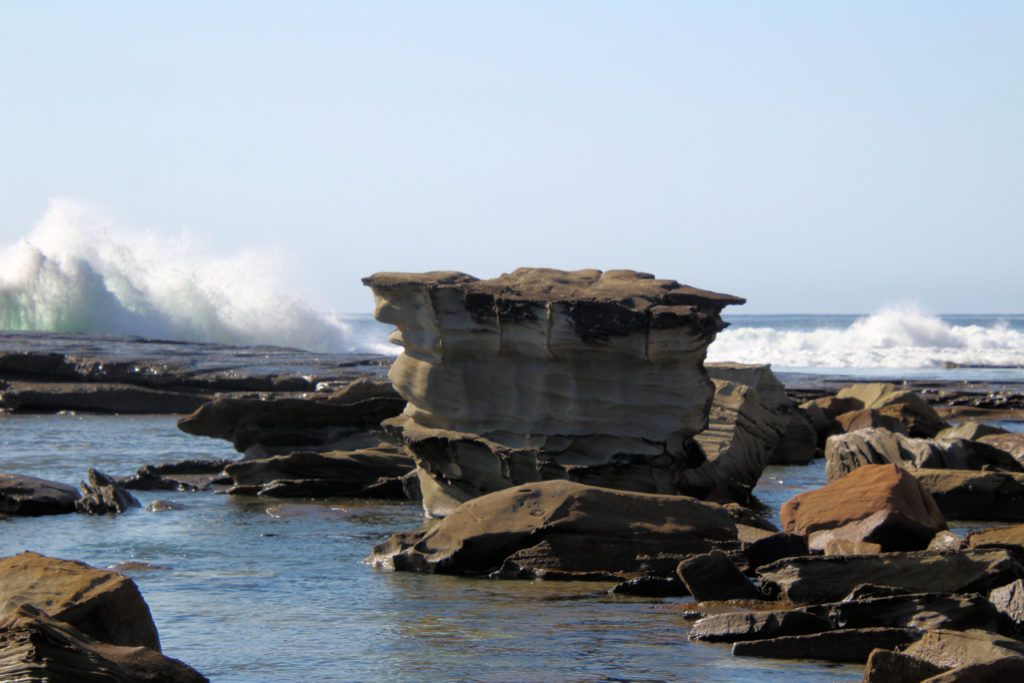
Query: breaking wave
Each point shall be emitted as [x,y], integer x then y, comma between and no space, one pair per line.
[75,272]
[899,336]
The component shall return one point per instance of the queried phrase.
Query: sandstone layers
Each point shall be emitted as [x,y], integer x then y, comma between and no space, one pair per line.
[546,374]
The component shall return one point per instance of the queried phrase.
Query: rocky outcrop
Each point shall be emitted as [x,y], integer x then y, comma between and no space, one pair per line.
[975,494]
[904,405]
[29,496]
[562,528]
[104,605]
[36,647]
[846,452]
[881,504]
[540,374]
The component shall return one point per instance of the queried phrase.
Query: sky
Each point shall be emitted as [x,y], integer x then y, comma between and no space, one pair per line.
[813,157]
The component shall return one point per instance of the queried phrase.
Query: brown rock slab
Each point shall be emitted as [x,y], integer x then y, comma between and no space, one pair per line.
[950,649]
[104,605]
[841,645]
[1009,601]
[819,579]
[881,504]
[975,495]
[732,627]
[480,534]
[921,611]
[888,666]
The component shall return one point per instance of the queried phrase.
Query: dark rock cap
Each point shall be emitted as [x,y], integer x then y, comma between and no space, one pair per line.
[600,303]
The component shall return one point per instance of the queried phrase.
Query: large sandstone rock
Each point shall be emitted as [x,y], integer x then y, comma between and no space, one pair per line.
[540,374]
[573,527]
[881,504]
[846,452]
[36,647]
[29,496]
[904,405]
[104,605]
[829,578]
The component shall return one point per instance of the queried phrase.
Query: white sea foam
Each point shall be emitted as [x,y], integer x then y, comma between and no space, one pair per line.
[899,336]
[78,272]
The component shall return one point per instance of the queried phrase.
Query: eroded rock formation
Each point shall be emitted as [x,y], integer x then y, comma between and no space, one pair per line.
[547,374]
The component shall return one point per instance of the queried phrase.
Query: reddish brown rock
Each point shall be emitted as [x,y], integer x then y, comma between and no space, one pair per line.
[104,605]
[881,504]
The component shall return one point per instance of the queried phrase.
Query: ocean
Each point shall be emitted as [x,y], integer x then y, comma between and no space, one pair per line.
[249,589]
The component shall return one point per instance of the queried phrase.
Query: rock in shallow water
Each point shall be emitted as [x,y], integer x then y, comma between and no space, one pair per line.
[29,496]
[542,374]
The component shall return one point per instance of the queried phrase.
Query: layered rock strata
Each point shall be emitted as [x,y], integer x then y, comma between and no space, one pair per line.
[547,374]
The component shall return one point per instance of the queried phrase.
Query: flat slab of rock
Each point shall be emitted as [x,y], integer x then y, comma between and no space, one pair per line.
[51,397]
[843,645]
[920,611]
[104,605]
[32,497]
[732,627]
[949,649]
[36,647]
[818,579]
[881,504]
[605,530]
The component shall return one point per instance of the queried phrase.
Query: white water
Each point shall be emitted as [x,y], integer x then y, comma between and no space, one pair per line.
[77,272]
[899,336]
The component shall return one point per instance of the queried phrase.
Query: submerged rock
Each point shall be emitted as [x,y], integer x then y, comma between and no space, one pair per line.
[543,374]
[32,497]
[565,527]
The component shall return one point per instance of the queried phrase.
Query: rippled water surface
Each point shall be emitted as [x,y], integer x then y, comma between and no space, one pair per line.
[248,589]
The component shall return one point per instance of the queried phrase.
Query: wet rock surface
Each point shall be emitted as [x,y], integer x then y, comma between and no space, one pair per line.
[30,496]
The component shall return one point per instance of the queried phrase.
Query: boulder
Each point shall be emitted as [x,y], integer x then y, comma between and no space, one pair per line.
[546,374]
[29,496]
[918,417]
[103,495]
[367,473]
[819,579]
[599,530]
[713,576]
[1011,442]
[1009,602]
[733,627]
[841,645]
[970,430]
[36,647]
[881,504]
[104,605]
[949,649]
[975,495]
[185,475]
[775,547]
[869,419]
[846,452]
[889,666]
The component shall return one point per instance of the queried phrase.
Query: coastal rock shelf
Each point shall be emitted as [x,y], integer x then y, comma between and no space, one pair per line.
[547,374]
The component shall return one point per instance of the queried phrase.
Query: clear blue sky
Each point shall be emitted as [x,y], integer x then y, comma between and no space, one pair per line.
[810,156]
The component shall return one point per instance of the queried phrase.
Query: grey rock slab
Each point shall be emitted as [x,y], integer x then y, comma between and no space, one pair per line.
[842,645]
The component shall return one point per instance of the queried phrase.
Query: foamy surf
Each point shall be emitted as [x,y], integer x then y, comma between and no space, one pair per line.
[77,272]
[899,336]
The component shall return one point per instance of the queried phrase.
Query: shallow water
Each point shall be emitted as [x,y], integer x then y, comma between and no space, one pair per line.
[270,590]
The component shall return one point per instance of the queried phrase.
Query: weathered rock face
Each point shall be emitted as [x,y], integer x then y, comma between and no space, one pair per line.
[976,494]
[919,418]
[881,504]
[846,452]
[104,605]
[103,495]
[562,527]
[544,374]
